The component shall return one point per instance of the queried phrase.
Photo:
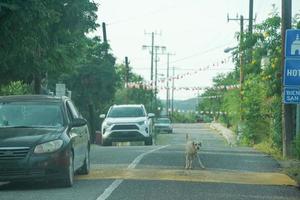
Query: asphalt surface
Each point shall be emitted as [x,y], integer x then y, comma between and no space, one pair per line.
[157,172]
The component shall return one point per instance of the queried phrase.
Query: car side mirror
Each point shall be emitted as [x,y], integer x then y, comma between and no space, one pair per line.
[102,116]
[151,115]
[78,122]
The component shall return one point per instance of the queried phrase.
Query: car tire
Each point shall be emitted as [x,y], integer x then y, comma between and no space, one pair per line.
[69,179]
[106,143]
[148,141]
[85,168]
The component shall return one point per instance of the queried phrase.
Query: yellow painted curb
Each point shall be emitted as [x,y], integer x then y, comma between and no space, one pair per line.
[192,176]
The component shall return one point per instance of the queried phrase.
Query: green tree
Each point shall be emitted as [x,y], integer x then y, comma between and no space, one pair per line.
[42,37]
[137,95]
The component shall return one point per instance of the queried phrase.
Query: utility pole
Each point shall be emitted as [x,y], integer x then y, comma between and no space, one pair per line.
[105,37]
[288,117]
[126,78]
[104,32]
[250,28]
[156,49]
[151,47]
[173,90]
[250,16]
[168,89]
[241,19]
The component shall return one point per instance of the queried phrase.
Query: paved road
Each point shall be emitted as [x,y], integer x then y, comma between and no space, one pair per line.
[157,172]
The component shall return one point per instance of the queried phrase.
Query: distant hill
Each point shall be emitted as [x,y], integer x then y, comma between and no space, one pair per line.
[186,105]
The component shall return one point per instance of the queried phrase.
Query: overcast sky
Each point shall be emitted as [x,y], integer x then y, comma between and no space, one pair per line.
[196,31]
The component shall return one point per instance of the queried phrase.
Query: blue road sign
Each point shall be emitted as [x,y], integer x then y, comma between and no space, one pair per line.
[292,95]
[292,43]
[291,72]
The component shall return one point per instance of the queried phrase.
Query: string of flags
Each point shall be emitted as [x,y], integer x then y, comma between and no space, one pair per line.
[141,85]
[221,87]
[210,97]
[180,76]
[202,112]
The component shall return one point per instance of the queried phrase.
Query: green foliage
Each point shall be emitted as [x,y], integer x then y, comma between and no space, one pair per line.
[297,146]
[183,117]
[131,95]
[14,88]
[259,102]
[93,81]
[256,123]
[231,106]
[39,37]
[268,147]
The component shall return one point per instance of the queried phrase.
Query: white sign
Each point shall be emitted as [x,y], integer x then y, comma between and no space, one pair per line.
[60,90]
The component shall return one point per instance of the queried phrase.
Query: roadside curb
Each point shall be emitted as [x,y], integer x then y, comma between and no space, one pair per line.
[291,168]
[225,132]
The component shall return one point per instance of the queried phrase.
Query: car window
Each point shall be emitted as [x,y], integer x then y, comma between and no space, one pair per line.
[72,111]
[39,114]
[163,121]
[126,112]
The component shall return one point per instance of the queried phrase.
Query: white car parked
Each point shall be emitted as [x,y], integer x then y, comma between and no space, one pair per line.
[128,122]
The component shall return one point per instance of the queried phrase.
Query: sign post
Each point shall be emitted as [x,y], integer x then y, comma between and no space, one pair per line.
[292,67]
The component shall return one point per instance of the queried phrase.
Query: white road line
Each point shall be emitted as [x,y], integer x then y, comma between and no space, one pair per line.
[107,192]
[140,157]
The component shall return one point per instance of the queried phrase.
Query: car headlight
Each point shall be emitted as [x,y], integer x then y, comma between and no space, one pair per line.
[48,147]
[107,124]
[142,123]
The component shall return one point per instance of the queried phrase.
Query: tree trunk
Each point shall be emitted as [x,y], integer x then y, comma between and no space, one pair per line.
[37,83]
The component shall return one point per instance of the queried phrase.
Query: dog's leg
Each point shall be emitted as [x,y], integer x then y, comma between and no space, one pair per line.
[191,158]
[186,161]
[200,163]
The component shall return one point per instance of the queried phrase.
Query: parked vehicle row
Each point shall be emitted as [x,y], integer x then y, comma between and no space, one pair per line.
[42,138]
[45,137]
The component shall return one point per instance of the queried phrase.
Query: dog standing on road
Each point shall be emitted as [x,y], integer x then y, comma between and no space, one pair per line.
[191,152]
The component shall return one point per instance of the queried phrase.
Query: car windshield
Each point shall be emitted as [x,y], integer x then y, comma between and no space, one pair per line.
[163,121]
[30,114]
[126,112]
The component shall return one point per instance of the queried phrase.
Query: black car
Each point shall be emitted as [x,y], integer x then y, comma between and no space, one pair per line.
[42,138]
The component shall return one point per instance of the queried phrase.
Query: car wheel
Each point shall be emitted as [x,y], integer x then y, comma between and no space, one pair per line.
[106,143]
[69,179]
[85,168]
[148,141]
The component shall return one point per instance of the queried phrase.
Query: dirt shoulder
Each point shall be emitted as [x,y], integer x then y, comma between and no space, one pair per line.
[291,167]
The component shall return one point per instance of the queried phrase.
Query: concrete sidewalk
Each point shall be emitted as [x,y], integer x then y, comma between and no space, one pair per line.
[289,166]
[225,132]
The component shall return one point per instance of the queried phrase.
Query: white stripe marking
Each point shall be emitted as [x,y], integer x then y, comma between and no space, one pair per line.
[107,192]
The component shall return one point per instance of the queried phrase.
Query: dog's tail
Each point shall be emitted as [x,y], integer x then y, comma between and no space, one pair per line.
[187,137]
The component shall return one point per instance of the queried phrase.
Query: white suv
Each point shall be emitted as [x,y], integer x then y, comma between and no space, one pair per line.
[128,122]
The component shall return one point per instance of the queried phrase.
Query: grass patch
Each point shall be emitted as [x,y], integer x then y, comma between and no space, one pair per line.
[290,167]
[269,149]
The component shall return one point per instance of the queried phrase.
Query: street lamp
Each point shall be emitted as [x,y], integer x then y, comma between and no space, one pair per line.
[228,49]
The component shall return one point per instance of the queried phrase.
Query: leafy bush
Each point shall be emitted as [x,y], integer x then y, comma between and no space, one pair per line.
[15,88]
[297,146]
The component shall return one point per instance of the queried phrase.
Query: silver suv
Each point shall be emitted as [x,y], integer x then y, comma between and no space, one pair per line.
[125,123]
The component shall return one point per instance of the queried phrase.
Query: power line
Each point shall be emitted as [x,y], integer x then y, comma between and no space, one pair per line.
[201,53]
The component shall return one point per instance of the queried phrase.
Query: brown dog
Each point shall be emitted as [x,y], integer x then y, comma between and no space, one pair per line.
[191,152]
